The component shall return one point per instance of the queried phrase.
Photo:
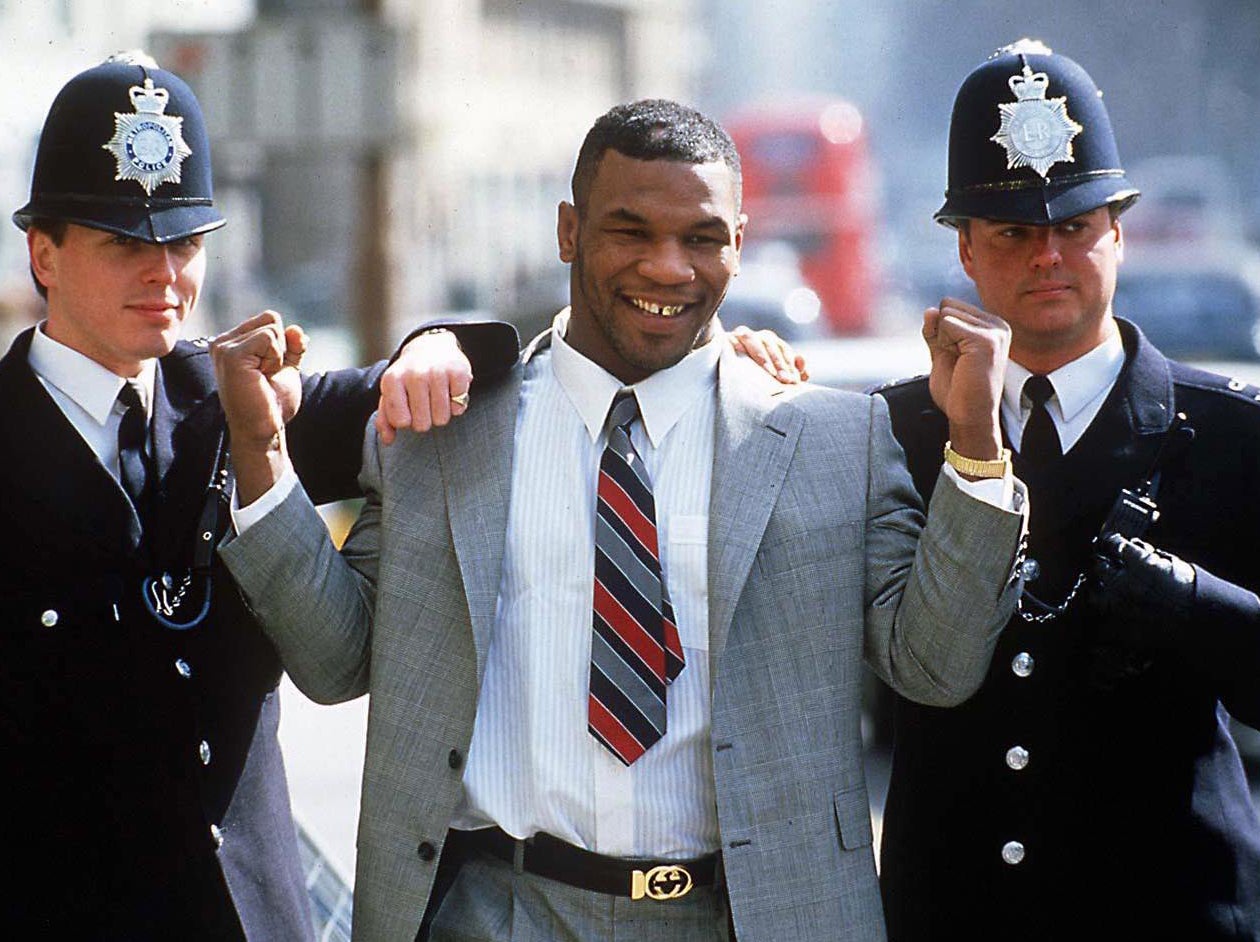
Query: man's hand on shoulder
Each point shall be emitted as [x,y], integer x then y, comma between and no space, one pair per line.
[771,352]
[256,365]
[969,350]
[425,386]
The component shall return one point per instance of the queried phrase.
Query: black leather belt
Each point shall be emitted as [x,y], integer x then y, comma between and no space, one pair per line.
[550,857]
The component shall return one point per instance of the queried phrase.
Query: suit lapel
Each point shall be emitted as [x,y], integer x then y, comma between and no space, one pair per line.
[476,454]
[753,446]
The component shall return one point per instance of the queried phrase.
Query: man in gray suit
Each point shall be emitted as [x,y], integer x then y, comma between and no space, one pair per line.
[615,666]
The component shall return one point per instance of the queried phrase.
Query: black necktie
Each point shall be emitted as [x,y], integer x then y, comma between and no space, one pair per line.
[132,461]
[1040,441]
[635,647]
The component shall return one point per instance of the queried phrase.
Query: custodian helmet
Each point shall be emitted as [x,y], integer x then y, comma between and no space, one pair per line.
[124,149]
[1030,142]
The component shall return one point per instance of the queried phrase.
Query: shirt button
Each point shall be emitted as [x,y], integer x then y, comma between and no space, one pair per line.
[426,851]
[1017,757]
[216,835]
[49,619]
[203,750]
[182,668]
[1022,664]
[1013,852]
[454,760]
[1031,569]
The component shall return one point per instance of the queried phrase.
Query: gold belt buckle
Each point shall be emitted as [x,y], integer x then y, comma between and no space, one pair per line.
[666,882]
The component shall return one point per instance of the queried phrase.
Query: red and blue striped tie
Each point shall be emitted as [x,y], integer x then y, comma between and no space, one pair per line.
[635,649]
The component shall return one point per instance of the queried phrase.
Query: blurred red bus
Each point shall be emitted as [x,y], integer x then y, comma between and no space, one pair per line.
[808,182]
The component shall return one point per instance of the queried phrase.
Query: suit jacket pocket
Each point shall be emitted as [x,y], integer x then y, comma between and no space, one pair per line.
[853,818]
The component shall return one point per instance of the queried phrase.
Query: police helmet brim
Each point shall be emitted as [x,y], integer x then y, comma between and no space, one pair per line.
[1047,205]
[155,224]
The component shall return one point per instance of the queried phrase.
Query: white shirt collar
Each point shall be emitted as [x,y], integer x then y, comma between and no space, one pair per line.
[1076,384]
[82,379]
[663,397]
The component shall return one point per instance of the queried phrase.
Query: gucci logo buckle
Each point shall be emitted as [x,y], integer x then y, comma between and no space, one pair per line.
[666,882]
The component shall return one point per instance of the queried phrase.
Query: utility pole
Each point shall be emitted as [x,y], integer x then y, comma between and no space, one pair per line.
[372,286]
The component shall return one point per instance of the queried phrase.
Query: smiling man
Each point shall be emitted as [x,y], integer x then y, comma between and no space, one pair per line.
[613,622]
[1090,789]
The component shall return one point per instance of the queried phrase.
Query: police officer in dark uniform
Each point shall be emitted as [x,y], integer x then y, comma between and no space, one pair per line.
[138,710]
[1090,789]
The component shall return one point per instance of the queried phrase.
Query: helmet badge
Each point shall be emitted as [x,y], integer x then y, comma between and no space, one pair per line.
[148,145]
[1036,131]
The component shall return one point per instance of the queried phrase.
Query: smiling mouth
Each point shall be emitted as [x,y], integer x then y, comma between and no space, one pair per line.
[660,310]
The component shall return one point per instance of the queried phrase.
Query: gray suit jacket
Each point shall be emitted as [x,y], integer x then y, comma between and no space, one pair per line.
[818,557]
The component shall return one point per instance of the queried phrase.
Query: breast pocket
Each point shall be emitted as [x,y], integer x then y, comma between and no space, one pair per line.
[687,574]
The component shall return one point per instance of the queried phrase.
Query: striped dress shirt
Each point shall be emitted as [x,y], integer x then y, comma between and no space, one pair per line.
[533,765]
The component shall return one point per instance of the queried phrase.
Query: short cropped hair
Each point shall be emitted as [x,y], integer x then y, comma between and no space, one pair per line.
[55,229]
[654,129]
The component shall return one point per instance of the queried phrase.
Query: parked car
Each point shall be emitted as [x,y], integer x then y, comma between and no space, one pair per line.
[1205,307]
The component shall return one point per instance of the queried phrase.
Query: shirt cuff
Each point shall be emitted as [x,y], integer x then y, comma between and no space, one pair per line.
[245,517]
[997,492]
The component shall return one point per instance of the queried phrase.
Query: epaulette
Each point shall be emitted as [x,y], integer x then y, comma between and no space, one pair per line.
[895,384]
[199,346]
[1231,386]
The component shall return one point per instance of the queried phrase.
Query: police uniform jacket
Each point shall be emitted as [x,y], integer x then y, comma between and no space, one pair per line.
[1070,799]
[148,797]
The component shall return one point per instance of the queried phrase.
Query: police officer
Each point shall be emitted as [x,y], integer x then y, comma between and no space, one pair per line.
[1091,788]
[138,709]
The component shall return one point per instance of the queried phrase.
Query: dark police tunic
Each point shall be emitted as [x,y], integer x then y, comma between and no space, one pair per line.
[147,797]
[1067,799]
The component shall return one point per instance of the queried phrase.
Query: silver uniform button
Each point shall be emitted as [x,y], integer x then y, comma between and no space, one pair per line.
[1013,852]
[203,750]
[1022,664]
[1030,569]
[1017,757]
[182,668]
[49,619]
[216,834]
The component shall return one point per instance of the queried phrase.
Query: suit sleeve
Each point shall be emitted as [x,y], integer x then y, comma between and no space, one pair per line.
[315,603]
[325,438]
[939,594]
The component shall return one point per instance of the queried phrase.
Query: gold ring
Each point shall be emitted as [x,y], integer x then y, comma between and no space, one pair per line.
[461,399]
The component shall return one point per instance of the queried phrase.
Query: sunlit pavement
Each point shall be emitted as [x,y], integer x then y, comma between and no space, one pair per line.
[323,753]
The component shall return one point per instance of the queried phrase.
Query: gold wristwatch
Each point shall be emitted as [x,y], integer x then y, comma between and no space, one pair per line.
[996,468]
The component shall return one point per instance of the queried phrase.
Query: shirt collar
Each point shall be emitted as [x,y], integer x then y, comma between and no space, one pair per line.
[92,387]
[663,397]
[1076,384]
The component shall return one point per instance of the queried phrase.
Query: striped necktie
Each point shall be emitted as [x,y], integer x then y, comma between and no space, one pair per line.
[635,649]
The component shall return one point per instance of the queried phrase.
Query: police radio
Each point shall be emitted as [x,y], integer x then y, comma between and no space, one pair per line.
[1131,516]
[1135,509]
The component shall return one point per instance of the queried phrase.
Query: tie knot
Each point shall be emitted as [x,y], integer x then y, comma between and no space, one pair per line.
[624,409]
[1038,389]
[130,396]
